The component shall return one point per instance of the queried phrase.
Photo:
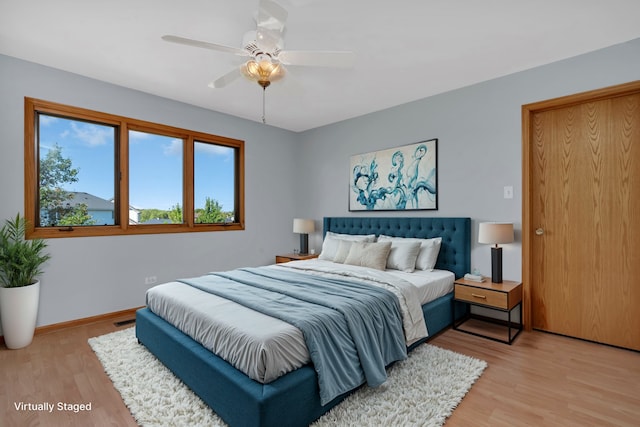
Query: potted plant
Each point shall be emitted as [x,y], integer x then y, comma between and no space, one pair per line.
[20,264]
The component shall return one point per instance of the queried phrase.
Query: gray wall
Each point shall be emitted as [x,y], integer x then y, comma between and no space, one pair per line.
[92,276]
[479,152]
[479,144]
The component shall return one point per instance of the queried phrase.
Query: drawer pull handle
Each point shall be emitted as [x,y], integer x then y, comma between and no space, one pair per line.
[479,296]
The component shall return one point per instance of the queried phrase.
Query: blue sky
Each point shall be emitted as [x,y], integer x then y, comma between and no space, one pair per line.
[155,164]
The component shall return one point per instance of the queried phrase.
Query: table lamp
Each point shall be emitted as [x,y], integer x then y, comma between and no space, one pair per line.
[303,227]
[494,233]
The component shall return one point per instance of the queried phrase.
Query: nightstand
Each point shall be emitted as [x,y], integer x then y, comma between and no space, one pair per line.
[294,257]
[503,297]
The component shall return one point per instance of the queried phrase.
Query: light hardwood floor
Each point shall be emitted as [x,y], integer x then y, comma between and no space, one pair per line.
[540,380]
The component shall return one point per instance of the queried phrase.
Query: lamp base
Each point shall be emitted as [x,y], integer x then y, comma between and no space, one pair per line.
[496,264]
[304,244]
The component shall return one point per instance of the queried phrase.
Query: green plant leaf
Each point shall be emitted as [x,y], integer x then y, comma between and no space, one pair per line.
[21,260]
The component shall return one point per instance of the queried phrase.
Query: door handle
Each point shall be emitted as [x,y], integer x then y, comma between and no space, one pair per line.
[539,231]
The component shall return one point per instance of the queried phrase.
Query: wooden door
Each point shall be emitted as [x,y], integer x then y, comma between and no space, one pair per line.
[582,215]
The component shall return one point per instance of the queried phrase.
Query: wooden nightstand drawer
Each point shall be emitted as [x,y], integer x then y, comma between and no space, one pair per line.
[294,257]
[504,296]
[481,296]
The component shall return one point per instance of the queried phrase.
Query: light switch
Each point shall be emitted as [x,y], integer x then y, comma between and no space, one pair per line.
[508,192]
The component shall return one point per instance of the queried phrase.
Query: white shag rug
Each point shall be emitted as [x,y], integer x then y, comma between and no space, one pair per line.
[420,391]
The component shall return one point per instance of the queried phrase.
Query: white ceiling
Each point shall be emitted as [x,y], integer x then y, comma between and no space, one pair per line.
[405,50]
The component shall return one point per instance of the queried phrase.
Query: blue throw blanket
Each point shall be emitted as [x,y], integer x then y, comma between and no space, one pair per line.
[352,330]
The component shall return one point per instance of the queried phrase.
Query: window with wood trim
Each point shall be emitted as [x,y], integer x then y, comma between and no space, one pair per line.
[89,173]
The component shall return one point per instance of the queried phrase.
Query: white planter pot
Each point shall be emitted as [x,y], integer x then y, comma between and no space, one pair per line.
[18,312]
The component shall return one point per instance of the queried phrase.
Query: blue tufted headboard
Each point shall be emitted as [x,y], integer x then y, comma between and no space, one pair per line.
[455,252]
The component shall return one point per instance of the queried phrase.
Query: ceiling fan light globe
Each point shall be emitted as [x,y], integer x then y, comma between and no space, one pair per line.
[265,66]
[249,69]
[277,73]
[262,71]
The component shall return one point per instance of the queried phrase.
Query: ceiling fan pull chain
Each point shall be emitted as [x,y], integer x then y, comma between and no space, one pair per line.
[264,120]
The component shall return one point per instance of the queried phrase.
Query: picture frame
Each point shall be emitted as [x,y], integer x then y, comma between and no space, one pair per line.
[395,179]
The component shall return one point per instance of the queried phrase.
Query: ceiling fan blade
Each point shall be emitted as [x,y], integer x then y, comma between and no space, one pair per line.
[339,59]
[205,45]
[271,16]
[230,77]
[270,21]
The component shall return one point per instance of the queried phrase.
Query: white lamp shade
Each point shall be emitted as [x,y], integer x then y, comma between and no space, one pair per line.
[495,232]
[303,226]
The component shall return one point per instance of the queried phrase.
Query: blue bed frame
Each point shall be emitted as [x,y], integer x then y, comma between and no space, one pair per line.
[293,399]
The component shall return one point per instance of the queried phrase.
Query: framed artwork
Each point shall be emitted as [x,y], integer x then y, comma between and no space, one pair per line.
[395,179]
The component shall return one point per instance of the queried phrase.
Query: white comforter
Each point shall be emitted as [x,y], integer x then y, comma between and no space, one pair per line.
[263,347]
[407,294]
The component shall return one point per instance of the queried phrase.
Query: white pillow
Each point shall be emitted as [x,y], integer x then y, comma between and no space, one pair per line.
[332,240]
[369,254]
[403,255]
[343,250]
[428,255]
[429,250]
[352,237]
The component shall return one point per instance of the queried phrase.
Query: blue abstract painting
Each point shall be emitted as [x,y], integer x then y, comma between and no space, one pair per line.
[403,178]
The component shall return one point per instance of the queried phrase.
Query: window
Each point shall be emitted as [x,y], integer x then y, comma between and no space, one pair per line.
[214,170]
[76,172]
[155,178]
[90,174]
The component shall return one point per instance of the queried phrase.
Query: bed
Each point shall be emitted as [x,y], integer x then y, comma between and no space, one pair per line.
[293,399]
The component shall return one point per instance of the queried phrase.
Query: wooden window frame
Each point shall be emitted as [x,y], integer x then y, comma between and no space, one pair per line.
[31,181]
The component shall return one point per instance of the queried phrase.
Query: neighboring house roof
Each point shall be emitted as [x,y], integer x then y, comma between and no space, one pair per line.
[157,221]
[131,208]
[94,203]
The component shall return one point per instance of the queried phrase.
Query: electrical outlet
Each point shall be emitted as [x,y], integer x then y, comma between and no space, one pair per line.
[508,192]
[150,280]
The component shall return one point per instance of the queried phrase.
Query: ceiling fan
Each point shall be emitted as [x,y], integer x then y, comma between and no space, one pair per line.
[264,49]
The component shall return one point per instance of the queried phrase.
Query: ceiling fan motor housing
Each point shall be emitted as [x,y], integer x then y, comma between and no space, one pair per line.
[250,44]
